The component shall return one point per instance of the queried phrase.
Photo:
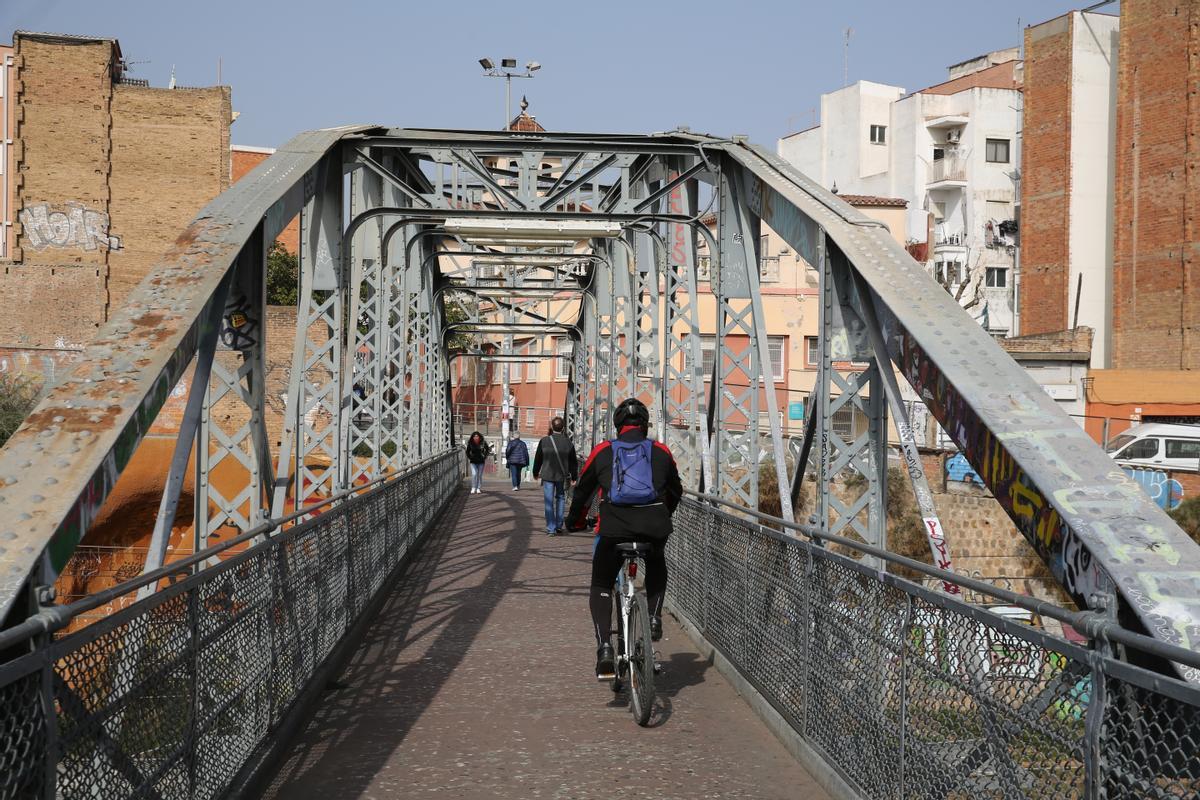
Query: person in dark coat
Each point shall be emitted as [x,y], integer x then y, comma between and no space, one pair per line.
[644,522]
[557,466]
[516,455]
[478,451]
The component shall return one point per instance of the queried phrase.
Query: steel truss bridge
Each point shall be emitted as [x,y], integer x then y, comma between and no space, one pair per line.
[414,242]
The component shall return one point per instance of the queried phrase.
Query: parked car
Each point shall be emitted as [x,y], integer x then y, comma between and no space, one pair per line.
[1158,445]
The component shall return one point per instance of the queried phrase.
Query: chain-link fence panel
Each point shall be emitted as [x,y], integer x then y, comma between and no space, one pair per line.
[907,693]
[171,696]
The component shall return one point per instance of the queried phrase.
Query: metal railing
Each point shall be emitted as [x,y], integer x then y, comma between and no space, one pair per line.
[948,169]
[910,693]
[176,694]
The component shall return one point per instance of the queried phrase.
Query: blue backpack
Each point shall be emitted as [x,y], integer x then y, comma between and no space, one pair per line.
[632,474]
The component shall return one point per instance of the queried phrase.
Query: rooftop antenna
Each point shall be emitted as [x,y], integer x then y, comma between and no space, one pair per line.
[846,57]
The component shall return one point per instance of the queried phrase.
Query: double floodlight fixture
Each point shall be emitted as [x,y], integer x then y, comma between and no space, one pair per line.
[508,63]
[560,230]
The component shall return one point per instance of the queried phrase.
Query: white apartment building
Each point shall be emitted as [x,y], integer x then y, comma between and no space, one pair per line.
[952,151]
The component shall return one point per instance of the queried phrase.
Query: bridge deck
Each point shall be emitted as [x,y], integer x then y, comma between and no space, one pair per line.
[475,681]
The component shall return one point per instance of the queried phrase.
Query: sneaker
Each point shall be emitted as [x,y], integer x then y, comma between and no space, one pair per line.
[561,532]
[655,628]
[605,661]
[516,488]
[549,533]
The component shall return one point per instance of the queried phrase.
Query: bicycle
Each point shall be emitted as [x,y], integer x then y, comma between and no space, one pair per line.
[634,647]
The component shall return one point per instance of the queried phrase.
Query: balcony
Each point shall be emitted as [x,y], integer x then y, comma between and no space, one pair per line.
[945,173]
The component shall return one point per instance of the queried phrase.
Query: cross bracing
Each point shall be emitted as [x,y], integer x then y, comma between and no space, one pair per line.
[590,239]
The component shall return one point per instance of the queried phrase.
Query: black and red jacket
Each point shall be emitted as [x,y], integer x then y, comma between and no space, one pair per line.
[651,521]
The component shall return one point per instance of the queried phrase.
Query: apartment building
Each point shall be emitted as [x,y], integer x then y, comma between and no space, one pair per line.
[952,152]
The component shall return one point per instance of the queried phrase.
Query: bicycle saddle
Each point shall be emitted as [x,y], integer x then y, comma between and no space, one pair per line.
[634,548]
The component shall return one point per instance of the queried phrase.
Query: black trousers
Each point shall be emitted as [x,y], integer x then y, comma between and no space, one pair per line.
[606,563]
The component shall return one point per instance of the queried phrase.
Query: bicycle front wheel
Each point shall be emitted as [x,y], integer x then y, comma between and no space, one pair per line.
[641,661]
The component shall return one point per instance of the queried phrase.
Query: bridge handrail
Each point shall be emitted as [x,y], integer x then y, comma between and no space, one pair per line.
[55,618]
[1093,624]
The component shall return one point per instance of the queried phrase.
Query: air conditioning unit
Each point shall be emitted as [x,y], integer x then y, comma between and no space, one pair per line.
[954,135]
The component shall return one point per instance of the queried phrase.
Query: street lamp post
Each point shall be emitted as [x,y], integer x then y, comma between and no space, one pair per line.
[507,71]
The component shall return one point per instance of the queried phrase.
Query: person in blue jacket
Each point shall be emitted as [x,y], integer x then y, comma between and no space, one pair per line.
[516,455]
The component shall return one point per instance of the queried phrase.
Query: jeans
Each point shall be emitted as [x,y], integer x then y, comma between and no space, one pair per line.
[515,470]
[555,495]
[477,476]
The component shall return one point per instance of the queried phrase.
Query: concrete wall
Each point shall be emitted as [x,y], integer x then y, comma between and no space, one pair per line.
[1156,279]
[1093,129]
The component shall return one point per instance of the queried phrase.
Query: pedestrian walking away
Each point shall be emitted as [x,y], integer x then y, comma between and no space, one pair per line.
[557,466]
[516,455]
[478,451]
[639,488]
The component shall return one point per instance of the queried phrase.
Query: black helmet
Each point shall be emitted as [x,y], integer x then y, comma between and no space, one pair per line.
[631,412]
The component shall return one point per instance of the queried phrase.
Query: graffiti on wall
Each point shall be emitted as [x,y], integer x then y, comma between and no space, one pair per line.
[1164,490]
[50,365]
[66,227]
[959,469]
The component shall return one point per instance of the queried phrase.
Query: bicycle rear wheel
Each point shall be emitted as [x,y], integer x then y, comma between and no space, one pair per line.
[641,661]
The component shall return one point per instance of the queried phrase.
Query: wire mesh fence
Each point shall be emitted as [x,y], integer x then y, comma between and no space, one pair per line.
[171,696]
[908,693]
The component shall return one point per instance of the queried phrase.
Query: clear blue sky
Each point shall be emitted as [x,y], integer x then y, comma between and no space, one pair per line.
[731,67]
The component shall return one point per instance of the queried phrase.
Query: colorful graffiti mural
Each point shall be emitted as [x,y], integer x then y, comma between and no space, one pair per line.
[1164,490]
[959,469]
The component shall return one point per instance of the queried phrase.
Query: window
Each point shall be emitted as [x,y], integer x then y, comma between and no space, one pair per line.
[516,371]
[775,348]
[453,374]
[812,351]
[708,355]
[703,267]
[603,355]
[879,134]
[996,151]
[563,363]
[529,412]
[843,421]
[999,210]
[1142,448]
[763,248]
[938,207]
[531,369]
[1183,448]
[951,271]
[997,277]
[481,372]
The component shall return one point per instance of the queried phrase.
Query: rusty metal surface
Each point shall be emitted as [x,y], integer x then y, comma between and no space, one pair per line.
[58,468]
[1086,519]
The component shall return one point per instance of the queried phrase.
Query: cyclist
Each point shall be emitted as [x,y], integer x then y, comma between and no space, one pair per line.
[640,462]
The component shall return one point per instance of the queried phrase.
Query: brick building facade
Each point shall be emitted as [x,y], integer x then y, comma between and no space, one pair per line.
[105,173]
[1045,167]
[1156,267]
[1111,182]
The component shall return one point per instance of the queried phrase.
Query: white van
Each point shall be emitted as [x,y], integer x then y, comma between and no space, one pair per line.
[1158,445]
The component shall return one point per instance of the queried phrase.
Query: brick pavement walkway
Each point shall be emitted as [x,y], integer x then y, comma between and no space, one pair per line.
[475,681]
